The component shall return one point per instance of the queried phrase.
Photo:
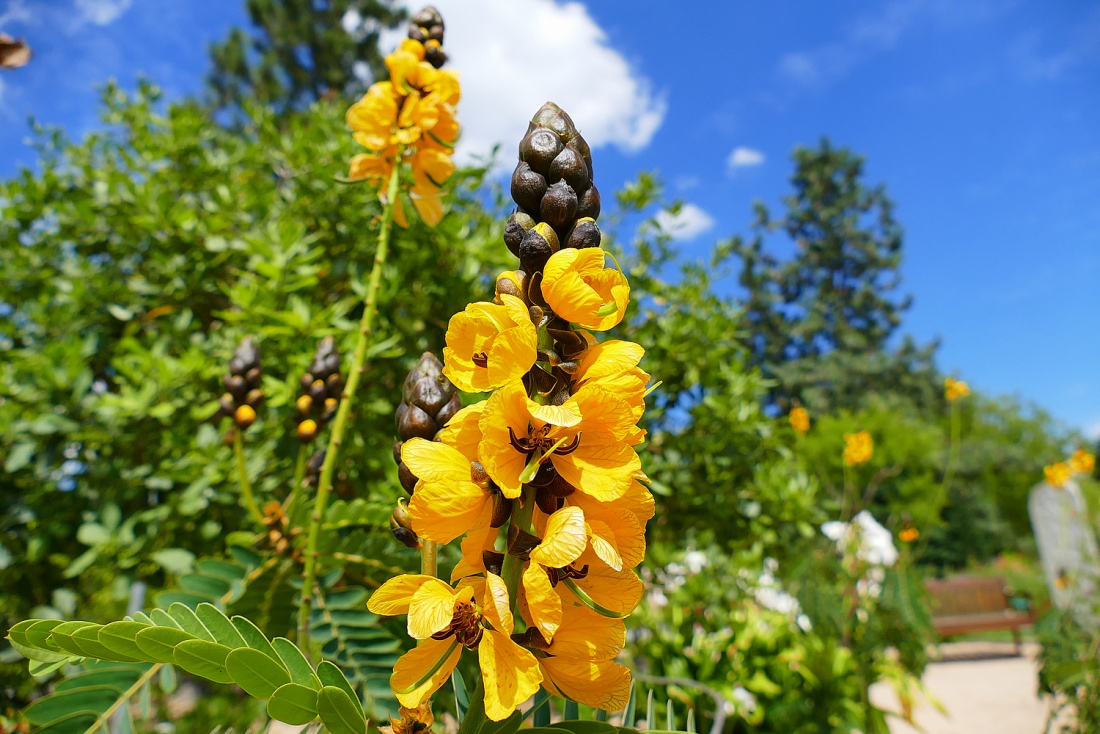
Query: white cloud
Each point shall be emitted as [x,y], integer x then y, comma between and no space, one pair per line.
[686,224]
[101,12]
[514,55]
[1092,430]
[743,157]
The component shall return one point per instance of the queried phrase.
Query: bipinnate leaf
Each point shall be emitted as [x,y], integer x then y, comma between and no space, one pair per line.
[339,711]
[204,659]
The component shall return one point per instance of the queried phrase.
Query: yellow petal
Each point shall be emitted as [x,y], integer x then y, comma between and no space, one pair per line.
[612,593]
[601,538]
[488,345]
[608,358]
[430,208]
[442,511]
[393,597]
[511,674]
[600,467]
[506,408]
[604,684]
[431,609]
[434,461]
[495,605]
[462,431]
[543,603]
[585,635]
[423,670]
[563,540]
[578,287]
[480,538]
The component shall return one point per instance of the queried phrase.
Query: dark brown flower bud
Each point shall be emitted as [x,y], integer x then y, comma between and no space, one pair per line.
[568,166]
[236,385]
[559,205]
[502,510]
[326,360]
[589,204]
[415,423]
[406,477]
[227,404]
[514,230]
[254,398]
[317,390]
[585,233]
[252,377]
[534,251]
[555,118]
[306,381]
[528,187]
[246,357]
[539,148]
[443,417]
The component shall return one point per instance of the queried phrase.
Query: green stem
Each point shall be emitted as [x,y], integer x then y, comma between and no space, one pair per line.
[299,477]
[246,488]
[948,474]
[513,566]
[428,558]
[475,714]
[355,372]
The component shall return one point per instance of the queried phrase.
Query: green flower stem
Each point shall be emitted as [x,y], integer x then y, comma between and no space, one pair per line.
[513,566]
[428,558]
[948,474]
[246,487]
[299,477]
[336,439]
[475,714]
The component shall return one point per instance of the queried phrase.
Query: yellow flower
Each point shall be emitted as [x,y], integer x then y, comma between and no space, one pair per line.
[585,440]
[858,448]
[800,419]
[578,288]
[489,345]
[412,721]
[909,534]
[613,365]
[1082,462]
[450,493]
[1057,474]
[954,389]
[476,615]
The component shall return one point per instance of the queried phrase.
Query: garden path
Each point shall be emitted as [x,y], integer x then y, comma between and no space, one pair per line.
[982,694]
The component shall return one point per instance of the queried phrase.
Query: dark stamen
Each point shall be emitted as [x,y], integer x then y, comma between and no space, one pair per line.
[481,359]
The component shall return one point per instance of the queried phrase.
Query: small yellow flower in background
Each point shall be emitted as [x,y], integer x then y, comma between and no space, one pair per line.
[800,419]
[1082,462]
[412,114]
[858,448]
[1057,474]
[909,534]
[954,389]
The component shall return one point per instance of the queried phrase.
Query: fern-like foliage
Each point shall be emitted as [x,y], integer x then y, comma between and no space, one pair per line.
[352,638]
[246,584]
[207,644]
[86,701]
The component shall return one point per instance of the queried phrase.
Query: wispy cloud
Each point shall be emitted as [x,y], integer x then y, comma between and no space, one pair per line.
[1092,430]
[874,33]
[101,12]
[1039,59]
[500,46]
[686,224]
[743,157]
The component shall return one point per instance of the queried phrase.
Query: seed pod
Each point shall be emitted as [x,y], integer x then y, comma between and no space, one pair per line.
[539,148]
[517,225]
[585,233]
[589,204]
[528,187]
[568,166]
[559,205]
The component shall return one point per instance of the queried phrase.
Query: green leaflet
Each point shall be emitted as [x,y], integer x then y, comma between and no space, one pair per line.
[294,704]
[204,659]
[256,672]
[339,711]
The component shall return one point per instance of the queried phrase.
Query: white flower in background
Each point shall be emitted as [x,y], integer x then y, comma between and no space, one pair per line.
[877,544]
[804,623]
[745,699]
[657,598]
[696,561]
[834,530]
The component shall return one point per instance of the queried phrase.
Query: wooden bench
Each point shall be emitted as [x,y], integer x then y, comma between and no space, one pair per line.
[976,604]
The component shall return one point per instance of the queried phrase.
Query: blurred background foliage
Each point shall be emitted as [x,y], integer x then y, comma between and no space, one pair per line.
[139,257]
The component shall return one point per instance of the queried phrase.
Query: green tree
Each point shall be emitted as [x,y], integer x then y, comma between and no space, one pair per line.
[301,50]
[819,321]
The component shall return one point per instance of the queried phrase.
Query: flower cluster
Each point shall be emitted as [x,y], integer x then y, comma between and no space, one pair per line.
[321,389]
[1081,463]
[541,480]
[243,384]
[955,389]
[410,118]
[858,448]
[868,546]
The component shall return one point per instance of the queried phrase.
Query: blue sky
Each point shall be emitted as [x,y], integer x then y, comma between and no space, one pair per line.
[981,118]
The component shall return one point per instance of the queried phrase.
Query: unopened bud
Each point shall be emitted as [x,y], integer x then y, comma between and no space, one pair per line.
[307,430]
[304,404]
[559,205]
[244,416]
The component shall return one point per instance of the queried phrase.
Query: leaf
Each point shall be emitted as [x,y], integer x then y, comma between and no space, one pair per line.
[301,672]
[175,560]
[159,643]
[293,704]
[93,534]
[333,677]
[119,312]
[204,659]
[18,457]
[340,714]
[187,621]
[585,727]
[257,673]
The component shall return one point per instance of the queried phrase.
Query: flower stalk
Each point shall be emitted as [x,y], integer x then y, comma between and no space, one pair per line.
[247,498]
[339,425]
